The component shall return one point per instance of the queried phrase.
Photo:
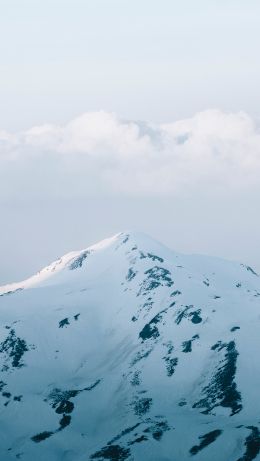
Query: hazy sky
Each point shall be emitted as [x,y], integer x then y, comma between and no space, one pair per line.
[144,59]
[119,114]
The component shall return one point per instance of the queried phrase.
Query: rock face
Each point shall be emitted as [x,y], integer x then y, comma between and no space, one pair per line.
[129,351]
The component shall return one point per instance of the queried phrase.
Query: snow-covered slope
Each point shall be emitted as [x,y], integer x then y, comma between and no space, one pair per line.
[129,351]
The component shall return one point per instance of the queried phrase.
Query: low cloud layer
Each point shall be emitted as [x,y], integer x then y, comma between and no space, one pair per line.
[97,154]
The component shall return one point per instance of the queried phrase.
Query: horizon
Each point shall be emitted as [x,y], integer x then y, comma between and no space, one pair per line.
[112,237]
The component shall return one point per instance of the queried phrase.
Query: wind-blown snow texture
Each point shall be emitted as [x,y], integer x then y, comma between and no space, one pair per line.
[129,351]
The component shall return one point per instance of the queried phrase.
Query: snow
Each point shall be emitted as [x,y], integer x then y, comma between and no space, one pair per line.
[71,350]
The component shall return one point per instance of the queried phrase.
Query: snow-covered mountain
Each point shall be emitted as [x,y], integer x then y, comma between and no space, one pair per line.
[129,351]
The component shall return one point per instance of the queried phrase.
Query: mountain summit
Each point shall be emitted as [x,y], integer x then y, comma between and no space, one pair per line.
[129,351]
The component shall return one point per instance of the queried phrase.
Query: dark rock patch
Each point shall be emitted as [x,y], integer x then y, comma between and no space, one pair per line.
[131,274]
[125,432]
[155,258]
[155,277]
[112,453]
[171,364]
[158,429]
[151,256]
[126,238]
[172,304]
[206,440]
[187,346]
[150,330]
[154,429]
[252,445]
[7,395]
[249,269]
[142,406]
[65,406]
[61,400]
[64,322]
[182,403]
[64,422]
[143,354]
[222,389]
[176,293]
[14,348]
[136,380]
[11,292]
[140,439]
[148,305]
[62,405]
[2,385]
[42,436]
[194,316]
[170,347]
[90,388]
[77,262]
[182,314]
[161,274]
[234,328]
[218,346]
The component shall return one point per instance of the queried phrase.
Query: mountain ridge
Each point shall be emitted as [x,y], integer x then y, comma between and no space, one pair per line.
[130,351]
[64,260]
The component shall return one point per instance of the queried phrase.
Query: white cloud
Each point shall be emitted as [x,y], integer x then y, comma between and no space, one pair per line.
[99,154]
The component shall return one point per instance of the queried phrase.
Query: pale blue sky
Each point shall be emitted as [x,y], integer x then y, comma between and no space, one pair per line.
[144,59]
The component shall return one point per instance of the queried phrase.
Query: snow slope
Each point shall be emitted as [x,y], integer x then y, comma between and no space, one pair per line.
[129,351]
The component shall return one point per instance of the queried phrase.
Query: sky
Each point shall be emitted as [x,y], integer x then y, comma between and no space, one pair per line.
[119,114]
[143,59]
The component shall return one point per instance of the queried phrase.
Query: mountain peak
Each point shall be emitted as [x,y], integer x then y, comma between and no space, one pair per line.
[44,274]
[112,352]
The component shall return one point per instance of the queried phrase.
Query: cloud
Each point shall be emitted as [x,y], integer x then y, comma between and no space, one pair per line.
[98,154]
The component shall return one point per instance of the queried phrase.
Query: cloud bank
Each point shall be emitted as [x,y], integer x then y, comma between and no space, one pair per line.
[98,154]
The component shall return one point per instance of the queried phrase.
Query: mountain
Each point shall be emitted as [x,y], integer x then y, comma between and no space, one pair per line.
[129,351]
